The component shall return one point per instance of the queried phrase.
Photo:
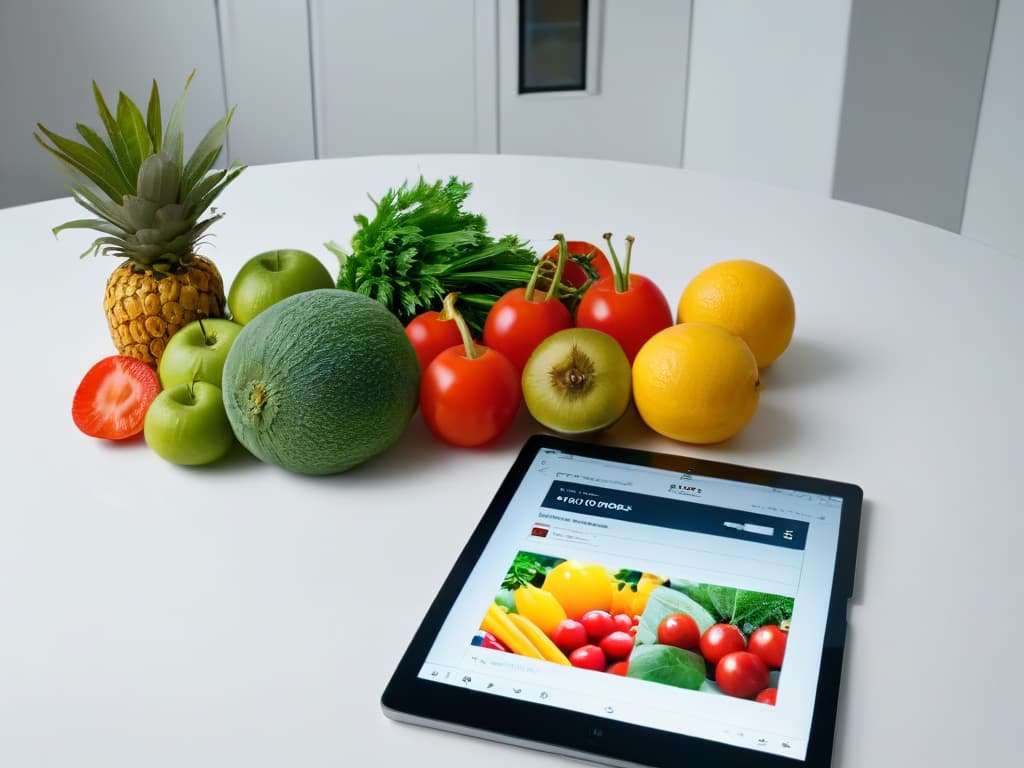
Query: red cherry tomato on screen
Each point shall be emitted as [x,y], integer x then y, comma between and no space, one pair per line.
[618,668]
[628,307]
[581,251]
[617,644]
[623,621]
[741,674]
[719,640]
[570,635]
[469,395]
[769,642]
[767,696]
[588,657]
[598,623]
[430,335]
[680,630]
[112,400]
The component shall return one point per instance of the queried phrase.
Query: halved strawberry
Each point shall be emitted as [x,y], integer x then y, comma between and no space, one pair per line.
[112,400]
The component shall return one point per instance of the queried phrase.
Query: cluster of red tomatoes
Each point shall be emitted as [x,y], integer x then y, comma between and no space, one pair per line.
[599,641]
[470,392]
[740,666]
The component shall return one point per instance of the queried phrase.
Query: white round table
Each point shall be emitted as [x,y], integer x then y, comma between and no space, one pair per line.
[238,615]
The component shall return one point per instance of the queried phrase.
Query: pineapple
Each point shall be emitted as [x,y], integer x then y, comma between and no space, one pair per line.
[150,206]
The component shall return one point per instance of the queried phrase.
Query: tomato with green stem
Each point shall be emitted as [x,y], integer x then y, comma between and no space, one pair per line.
[430,335]
[113,397]
[523,317]
[586,262]
[628,307]
[469,395]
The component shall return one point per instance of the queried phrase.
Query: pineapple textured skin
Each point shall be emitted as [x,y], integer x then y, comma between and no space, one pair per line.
[152,208]
[145,309]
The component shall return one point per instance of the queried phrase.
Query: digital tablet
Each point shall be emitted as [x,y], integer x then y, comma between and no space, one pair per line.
[638,608]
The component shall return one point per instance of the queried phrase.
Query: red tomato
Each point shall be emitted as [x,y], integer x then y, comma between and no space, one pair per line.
[769,642]
[623,621]
[617,644]
[628,307]
[598,624]
[518,322]
[588,657]
[719,640]
[618,668]
[767,696]
[580,250]
[430,335]
[630,317]
[112,400]
[469,401]
[680,630]
[741,674]
[569,635]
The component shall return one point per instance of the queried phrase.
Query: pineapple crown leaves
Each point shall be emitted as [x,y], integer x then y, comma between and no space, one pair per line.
[148,199]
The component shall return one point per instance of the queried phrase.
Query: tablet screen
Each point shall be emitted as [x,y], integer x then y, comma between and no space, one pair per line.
[719,589]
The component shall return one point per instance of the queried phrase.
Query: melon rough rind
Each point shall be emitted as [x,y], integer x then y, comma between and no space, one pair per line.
[321,382]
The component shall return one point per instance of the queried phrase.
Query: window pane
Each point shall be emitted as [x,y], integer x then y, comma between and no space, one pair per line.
[552,45]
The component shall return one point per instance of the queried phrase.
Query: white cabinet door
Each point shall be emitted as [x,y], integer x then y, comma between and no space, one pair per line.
[995,194]
[394,76]
[634,111]
[52,50]
[265,50]
[765,89]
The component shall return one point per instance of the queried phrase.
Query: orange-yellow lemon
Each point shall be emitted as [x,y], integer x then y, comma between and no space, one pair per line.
[696,382]
[747,299]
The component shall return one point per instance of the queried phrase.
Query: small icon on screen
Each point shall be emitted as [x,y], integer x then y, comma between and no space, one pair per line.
[539,530]
[760,530]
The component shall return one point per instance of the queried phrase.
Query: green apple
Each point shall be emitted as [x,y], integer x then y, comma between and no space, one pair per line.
[187,424]
[577,381]
[269,277]
[197,352]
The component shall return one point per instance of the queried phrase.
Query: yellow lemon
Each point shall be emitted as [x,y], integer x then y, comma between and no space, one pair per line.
[696,382]
[745,298]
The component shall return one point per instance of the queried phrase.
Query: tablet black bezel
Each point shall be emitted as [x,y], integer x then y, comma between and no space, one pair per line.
[409,697]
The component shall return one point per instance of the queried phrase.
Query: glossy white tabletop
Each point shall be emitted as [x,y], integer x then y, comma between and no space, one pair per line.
[238,615]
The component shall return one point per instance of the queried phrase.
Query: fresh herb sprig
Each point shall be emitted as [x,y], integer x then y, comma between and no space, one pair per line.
[421,245]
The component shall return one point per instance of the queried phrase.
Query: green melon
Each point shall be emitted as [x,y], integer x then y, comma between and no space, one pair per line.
[320,382]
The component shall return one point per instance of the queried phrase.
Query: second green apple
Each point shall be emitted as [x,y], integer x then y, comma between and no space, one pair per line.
[267,278]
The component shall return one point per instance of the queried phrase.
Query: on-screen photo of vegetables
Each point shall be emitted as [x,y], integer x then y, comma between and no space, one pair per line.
[691,635]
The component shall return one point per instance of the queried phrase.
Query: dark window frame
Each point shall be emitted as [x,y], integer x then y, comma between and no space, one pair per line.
[571,88]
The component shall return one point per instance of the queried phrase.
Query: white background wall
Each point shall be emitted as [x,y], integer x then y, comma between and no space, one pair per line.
[52,50]
[765,89]
[637,111]
[751,90]
[994,211]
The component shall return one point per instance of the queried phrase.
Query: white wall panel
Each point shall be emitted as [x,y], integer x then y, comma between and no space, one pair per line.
[52,50]
[915,74]
[638,109]
[994,209]
[394,76]
[765,89]
[265,49]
